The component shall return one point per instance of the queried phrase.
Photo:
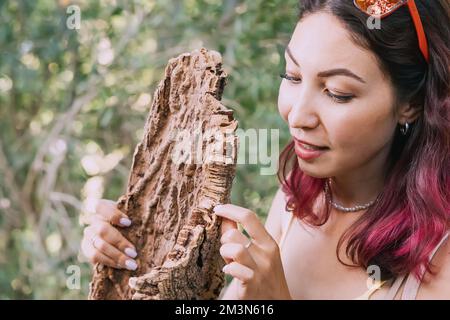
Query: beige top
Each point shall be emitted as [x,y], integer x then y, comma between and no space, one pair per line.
[412,283]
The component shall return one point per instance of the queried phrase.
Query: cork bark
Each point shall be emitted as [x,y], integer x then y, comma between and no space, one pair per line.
[184,166]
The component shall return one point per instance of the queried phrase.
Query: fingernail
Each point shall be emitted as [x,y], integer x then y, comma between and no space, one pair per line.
[125,222]
[224,269]
[217,207]
[131,264]
[131,252]
[132,282]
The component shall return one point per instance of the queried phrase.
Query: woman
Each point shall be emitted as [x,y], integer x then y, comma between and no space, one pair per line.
[365,182]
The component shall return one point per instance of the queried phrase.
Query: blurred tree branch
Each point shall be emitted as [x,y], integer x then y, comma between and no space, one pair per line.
[83,98]
[63,114]
[14,191]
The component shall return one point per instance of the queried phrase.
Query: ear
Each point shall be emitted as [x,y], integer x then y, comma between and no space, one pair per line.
[408,113]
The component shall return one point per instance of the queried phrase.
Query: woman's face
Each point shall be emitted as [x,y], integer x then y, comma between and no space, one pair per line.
[340,98]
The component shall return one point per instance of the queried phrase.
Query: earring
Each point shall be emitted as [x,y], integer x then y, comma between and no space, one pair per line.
[404,130]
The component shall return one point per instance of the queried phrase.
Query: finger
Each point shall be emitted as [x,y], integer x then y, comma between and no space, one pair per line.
[100,217]
[238,253]
[239,271]
[227,225]
[121,259]
[247,218]
[230,236]
[95,256]
[107,210]
[234,236]
[111,235]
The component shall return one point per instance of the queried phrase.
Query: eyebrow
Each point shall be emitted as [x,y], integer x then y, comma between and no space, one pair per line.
[291,56]
[329,73]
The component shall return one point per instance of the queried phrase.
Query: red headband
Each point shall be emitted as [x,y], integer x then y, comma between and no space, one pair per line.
[383,8]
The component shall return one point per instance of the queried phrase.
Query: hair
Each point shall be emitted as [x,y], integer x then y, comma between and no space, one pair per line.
[412,214]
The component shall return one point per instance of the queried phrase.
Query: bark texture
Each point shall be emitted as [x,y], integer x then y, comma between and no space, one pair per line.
[184,166]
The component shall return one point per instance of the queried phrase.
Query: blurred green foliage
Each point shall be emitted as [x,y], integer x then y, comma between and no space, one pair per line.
[73,104]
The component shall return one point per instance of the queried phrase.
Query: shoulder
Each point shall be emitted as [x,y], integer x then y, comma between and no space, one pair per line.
[437,286]
[276,215]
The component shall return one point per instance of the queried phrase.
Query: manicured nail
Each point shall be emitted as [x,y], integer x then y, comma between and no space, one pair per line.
[224,269]
[132,282]
[131,264]
[131,252]
[125,222]
[217,207]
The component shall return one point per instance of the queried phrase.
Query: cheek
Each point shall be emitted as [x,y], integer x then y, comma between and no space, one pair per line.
[362,133]
[368,126]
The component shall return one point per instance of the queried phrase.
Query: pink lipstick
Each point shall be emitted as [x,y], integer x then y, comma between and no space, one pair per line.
[308,151]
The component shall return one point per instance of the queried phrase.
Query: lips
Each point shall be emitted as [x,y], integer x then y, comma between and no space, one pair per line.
[307,151]
[308,145]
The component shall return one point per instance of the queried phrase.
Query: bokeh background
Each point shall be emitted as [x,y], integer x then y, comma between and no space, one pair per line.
[73,104]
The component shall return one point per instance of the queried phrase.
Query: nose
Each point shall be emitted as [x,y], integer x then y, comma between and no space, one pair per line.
[303,114]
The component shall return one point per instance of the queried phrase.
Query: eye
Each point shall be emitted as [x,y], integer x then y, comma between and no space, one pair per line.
[291,79]
[340,98]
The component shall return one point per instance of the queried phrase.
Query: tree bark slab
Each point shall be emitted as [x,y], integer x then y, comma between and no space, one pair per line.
[184,166]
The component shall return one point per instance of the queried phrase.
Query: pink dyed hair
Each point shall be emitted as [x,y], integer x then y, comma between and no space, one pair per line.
[413,213]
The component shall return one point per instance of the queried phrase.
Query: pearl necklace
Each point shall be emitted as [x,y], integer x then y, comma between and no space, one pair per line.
[345,209]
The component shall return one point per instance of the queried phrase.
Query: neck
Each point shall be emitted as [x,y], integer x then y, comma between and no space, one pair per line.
[351,192]
[362,184]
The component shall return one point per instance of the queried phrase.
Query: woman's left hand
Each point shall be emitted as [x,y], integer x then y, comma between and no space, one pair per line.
[257,267]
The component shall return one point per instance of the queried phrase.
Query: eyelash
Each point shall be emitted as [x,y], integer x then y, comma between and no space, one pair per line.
[287,77]
[335,98]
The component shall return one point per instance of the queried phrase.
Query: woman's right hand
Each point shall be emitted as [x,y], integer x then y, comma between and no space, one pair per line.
[103,243]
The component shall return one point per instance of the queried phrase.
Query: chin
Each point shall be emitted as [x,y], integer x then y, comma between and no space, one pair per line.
[313,169]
